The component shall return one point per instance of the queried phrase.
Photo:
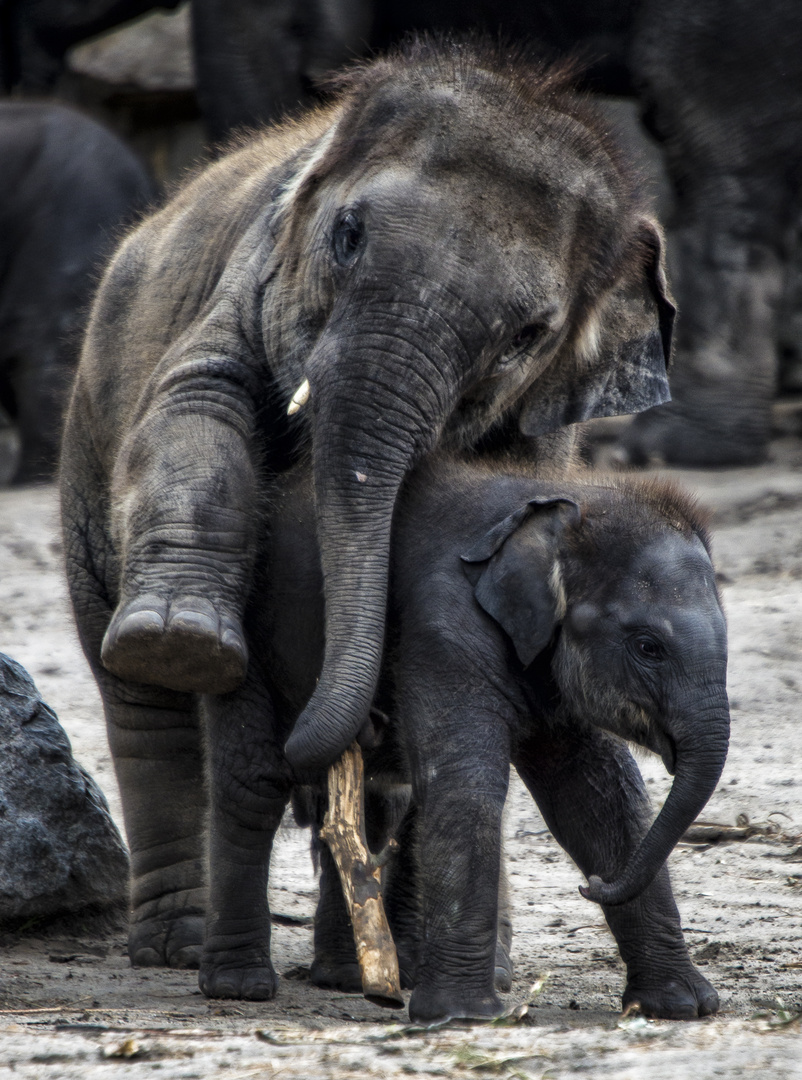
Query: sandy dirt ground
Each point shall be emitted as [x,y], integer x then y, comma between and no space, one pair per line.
[71,1006]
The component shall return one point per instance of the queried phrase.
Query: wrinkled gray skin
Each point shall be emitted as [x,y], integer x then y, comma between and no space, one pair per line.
[447,248]
[66,187]
[604,623]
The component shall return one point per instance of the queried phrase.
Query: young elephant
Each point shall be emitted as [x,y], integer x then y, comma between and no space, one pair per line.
[538,623]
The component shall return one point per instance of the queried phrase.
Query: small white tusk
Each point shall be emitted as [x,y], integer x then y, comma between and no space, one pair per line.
[299,398]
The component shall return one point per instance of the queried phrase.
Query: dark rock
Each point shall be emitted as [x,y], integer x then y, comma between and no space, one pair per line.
[60,851]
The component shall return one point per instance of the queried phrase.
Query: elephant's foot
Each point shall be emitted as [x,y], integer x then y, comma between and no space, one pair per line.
[429,1005]
[330,974]
[168,932]
[183,644]
[240,977]
[673,435]
[684,995]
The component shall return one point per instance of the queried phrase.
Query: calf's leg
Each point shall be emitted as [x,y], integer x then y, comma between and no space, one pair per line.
[591,794]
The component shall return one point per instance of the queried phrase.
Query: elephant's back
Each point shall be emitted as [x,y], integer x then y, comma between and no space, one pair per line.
[163,275]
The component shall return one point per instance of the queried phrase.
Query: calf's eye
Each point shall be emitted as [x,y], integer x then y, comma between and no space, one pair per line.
[648,648]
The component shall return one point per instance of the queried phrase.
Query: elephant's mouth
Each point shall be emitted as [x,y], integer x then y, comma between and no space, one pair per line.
[668,752]
[659,742]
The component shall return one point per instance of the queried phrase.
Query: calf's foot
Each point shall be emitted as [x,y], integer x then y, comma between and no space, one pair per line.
[680,995]
[430,1005]
[336,975]
[185,643]
[236,960]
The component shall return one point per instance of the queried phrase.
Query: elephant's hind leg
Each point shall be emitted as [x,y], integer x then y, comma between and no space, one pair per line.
[592,797]
[155,742]
[249,786]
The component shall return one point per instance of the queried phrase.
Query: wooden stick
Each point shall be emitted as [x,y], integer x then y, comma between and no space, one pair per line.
[360,874]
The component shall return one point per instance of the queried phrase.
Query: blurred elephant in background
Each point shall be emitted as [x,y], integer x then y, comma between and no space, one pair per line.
[36,34]
[67,185]
[721,88]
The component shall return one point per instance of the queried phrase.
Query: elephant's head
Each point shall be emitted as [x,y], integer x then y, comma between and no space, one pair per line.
[459,248]
[622,585]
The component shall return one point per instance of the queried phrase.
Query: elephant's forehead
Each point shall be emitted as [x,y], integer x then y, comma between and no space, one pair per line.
[672,567]
[484,126]
[480,145]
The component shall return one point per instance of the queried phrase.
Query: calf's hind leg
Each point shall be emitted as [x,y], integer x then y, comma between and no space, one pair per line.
[591,794]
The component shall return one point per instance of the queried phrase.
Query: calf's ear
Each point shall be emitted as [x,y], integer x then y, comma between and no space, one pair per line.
[617,361]
[514,569]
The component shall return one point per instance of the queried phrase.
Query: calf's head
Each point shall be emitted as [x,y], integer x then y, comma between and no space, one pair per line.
[619,580]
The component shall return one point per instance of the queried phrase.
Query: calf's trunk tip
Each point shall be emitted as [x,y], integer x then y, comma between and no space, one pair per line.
[695,780]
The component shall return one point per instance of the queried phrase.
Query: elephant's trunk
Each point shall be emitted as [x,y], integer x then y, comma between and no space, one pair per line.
[699,762]
[367,434]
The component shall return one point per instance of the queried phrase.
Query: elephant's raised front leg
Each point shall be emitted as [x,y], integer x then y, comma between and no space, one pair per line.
[249,786]
[155,742]
[184,514]
[592,797]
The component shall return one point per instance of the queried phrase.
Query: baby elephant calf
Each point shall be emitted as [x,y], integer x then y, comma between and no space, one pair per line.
[539,623]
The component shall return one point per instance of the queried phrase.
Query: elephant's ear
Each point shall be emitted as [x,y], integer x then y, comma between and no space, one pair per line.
[515,572]
[620,355]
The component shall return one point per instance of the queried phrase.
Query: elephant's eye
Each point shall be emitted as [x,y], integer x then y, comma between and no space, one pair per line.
[347,238]
[527,336]
[648,648]
[516,353]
